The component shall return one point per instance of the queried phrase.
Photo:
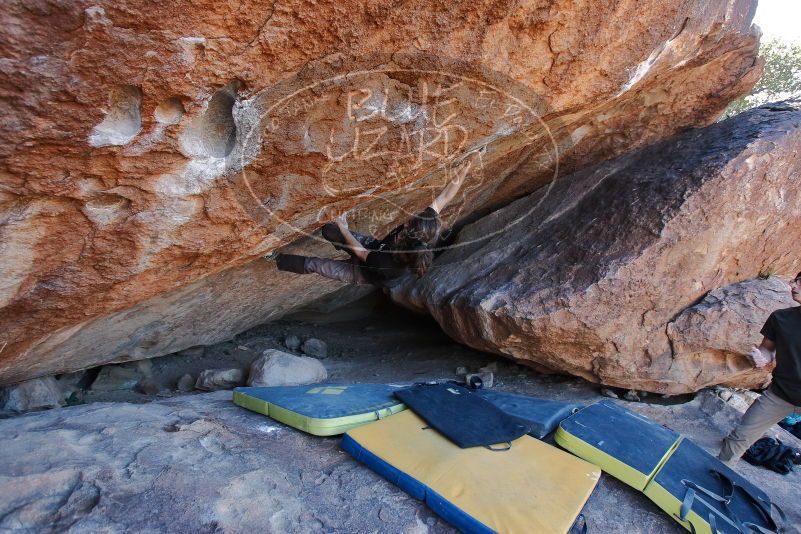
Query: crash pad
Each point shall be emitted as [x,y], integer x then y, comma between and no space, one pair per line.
[531,487]
[463,417]
[627,445]
[322,410]
[542,416]
[695,478]
[696,489]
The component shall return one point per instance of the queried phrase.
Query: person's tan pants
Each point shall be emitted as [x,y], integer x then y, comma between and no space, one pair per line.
[765,412]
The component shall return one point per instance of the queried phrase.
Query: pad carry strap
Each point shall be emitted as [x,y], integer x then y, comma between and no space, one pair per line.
[765,507]
[687,505]
[579,525]
[693,487]
[500,449]
[689,497]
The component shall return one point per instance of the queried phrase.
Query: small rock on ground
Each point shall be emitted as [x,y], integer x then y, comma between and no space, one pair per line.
[739,399]
[631,396]
[487,379]
[31,395]
[148,386]
[185,383]
[277,368]
[315,347]
[116,378]
[214,379]
[292,342]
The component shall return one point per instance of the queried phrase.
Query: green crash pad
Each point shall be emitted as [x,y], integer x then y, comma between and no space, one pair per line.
[322,409]
[697,490]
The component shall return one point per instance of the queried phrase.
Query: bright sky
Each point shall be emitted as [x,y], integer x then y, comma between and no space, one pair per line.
[780,19]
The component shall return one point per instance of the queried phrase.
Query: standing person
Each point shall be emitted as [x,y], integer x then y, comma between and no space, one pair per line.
[782,343]
[385,262]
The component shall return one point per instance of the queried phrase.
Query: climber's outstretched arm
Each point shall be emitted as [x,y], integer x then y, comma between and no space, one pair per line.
[453,187]
[350,241]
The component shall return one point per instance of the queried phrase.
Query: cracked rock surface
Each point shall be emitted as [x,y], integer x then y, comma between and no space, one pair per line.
[190,464]
[201,464]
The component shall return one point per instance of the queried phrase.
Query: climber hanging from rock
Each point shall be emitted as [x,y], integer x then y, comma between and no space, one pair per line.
[381,262]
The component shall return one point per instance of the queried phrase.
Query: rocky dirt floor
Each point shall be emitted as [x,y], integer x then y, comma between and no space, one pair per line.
[177,462]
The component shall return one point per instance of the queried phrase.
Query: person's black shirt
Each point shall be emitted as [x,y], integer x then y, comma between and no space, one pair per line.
[381,266]
[783,327]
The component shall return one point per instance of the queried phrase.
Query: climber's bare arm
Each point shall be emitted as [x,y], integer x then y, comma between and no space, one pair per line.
[350,241]
[453,187]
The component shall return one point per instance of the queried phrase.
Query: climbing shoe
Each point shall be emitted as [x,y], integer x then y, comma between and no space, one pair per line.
[291,263]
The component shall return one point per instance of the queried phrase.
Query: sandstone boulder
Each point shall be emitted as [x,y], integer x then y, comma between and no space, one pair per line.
[277,368]
[726,324]
[151,153]
[584,277]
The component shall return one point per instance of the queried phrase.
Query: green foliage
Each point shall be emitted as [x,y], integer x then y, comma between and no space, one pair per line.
[767,273]
[780,80]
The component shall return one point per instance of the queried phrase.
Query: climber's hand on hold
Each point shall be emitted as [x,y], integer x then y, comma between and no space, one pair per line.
[457,179]
[764,354]
[469,163]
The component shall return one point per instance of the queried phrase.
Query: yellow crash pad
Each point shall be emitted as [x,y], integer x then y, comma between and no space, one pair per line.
[532,487]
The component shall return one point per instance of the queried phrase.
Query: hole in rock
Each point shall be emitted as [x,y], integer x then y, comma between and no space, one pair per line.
[214,132]
[104,208]
[170,111]
[123,118]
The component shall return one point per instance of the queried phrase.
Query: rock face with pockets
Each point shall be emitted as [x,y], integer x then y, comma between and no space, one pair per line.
[588,277]
[151,153]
